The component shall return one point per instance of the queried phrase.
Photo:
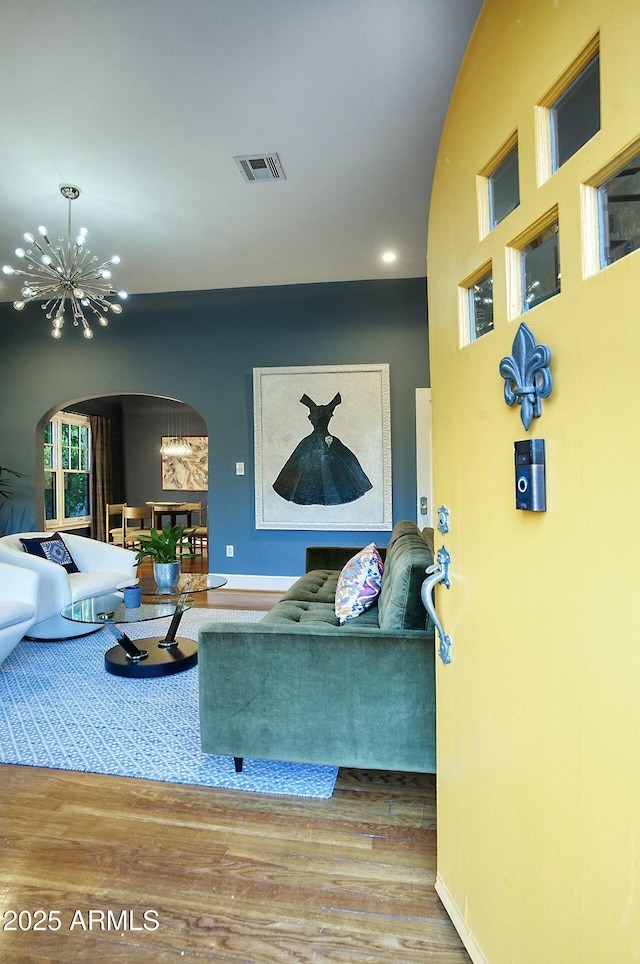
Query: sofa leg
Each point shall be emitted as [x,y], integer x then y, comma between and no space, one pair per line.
[238,761]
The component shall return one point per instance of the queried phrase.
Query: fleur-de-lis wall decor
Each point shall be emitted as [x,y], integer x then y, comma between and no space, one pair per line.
[527,376]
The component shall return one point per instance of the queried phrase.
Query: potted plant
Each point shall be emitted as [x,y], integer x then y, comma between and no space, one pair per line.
[7,477]
[6,484]
[162,547]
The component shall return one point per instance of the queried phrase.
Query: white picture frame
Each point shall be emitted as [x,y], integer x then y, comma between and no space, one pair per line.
[358,435]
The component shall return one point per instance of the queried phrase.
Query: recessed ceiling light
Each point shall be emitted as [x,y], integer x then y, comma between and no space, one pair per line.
[389,256]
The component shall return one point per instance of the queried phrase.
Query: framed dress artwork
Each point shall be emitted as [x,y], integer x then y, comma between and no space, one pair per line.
[322,437]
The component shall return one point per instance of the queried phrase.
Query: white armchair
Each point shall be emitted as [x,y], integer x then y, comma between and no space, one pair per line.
[103,567]
[18,605]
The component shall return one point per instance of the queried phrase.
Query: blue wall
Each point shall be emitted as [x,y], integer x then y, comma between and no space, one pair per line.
[201,347]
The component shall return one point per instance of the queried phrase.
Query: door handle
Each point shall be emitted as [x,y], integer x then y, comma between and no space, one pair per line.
[437,573]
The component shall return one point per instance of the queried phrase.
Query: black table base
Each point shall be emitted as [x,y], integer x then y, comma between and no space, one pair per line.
[149,657]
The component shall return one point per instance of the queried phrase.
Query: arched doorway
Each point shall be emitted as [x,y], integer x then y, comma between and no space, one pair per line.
[131,427]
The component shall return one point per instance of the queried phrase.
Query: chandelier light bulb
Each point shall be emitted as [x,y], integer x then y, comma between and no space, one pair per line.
[65,277]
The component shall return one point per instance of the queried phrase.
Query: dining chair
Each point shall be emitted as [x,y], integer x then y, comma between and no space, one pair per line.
[114,527]
[134,517]
[198,532]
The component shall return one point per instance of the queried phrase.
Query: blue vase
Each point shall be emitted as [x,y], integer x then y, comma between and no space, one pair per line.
[166,575]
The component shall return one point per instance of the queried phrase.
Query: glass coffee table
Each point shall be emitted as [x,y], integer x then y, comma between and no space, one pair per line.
[156,655]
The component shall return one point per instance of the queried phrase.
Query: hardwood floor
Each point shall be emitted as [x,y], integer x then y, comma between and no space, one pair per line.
[137,870]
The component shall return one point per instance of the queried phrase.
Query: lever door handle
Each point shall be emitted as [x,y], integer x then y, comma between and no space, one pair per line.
[437,573]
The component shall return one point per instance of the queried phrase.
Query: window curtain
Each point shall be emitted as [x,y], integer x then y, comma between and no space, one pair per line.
[101,475]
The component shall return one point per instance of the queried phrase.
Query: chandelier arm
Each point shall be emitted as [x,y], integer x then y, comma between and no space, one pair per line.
[105,264]
[44,291]
[38,268]
[80,257]
[76,309]
[98,313]
[57,256]
[46,305]
[34,263]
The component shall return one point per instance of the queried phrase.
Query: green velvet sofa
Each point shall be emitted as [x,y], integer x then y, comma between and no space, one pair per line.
[298,687]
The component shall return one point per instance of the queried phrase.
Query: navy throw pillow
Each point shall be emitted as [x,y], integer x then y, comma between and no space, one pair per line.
[52,548]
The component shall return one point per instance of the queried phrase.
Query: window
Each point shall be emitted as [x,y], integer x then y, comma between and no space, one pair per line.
[504,188]
[67,471]
[575,115]
[498,186]
[540,267]
[481,307]
[619,213]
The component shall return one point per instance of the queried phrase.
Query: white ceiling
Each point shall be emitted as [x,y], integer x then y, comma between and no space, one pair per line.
[144,103]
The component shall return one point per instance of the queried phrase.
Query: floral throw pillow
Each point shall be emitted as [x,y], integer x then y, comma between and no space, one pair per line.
[359,583]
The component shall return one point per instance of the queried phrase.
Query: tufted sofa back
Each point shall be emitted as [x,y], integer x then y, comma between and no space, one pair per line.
[406,559]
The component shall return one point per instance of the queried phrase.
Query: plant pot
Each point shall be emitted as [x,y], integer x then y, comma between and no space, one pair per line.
[166,575]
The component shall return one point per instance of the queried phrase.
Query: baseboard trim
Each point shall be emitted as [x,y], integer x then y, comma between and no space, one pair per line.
[258,583]
[473,948]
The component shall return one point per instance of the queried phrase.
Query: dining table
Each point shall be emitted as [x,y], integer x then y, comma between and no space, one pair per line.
[172,510]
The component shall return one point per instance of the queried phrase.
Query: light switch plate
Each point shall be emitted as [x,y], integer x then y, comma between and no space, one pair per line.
[239,468]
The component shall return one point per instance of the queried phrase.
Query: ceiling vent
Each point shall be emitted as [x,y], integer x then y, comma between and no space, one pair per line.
[260,167]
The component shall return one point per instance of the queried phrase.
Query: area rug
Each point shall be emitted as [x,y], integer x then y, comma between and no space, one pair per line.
[59,708]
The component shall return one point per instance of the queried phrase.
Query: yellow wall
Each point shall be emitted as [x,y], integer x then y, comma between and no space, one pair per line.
[539,712]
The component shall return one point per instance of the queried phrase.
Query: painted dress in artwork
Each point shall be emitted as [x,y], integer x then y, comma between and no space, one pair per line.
[321,470]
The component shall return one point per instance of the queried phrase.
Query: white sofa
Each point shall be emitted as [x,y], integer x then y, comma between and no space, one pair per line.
[18,605]
[103,567]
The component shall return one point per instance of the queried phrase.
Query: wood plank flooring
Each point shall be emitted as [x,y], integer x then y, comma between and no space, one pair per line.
[135,870]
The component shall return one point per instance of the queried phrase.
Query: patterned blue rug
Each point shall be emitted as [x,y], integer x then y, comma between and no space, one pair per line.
[59,708]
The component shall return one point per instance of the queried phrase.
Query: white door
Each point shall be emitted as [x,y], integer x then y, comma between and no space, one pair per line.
[424,474]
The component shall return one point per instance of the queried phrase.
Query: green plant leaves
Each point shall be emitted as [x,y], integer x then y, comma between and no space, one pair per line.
[6,485]
[162,546]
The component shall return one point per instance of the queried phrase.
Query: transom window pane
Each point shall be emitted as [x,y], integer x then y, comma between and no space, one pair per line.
[540,265]
[481,307]
[575,116]
[619,204]
[504,188]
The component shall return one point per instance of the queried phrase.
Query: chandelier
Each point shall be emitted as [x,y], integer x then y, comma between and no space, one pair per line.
[66,277]
[177,447]
[174,442]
